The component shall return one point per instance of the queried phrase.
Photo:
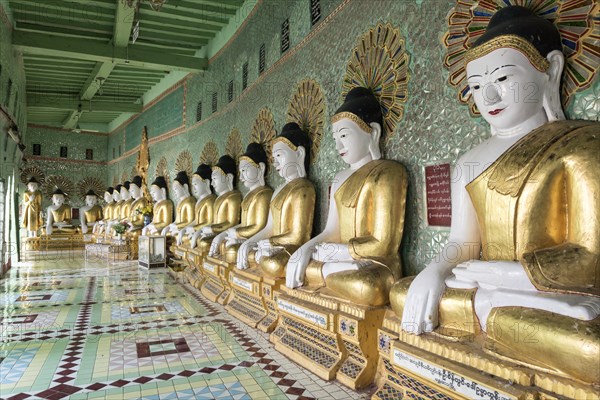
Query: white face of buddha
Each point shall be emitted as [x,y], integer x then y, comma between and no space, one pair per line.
[32,186]
[249,173]
[179,190]
[200,187]
[125,194]
[219,181]
[351,142]
[116,195]
[108,197]
[506,87]
[90,200]
[135,191]
[58,199]
[286,161]
[156,193]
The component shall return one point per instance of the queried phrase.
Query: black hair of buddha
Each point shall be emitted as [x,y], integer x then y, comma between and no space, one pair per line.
[520,21]
[256,152]
[204,171]
[161,183]
[58,191]
[182,178]
[127,184]
[118,188]
[227,164]
[110,190]
[137,180]
[91,193]
[361,102]
[292,132]
[33,180]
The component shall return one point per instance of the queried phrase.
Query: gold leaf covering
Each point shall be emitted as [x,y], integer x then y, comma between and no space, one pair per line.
[307,109]
[210,154]
[380,62]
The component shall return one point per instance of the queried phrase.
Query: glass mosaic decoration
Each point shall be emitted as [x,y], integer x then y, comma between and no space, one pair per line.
[307,109]
[380,62]
[54,182]
[578,22]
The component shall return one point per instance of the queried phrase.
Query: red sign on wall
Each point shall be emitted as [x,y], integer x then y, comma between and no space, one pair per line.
[437,189]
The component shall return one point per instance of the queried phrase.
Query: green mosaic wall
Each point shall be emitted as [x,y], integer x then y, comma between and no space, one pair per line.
[435,126]
[12,99]
[75,167]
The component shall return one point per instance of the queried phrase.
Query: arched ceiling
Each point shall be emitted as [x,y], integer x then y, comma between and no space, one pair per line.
[81,65]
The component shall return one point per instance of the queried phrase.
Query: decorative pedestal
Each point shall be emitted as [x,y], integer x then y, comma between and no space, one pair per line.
[433,366]
[61,241]
[212,287]
[152,251]
[223,269]
[332,337]
[194,273]
[252,300]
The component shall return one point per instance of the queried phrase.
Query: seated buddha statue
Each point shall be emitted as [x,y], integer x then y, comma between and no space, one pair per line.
[204,203]
[136,219]
[107,211]
[255,206]
[185,212]
[32,208]
[91,213]
[226,209]
[356,256]
[59,215]
[116,209]
[292,206]
[162,214]
[126,201]
[525,231]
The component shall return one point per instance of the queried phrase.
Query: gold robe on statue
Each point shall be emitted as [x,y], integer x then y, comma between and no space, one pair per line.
[370,205]
[32,216]
[137,219]
[226,213]
[185,212]
[162,214]
[292,212]
[204,211]
[126,207]
[93,215]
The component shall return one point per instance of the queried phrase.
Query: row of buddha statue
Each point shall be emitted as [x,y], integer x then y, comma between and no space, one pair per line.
[525,221]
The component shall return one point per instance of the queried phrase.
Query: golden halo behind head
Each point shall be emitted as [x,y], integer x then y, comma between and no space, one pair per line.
[125,177]
[162,169]
[380,62]
[185,162]
[90,183]
[234,146]
[54,182]
[210,154]
[578,23]
[32,172]
[307,109]
[263,131]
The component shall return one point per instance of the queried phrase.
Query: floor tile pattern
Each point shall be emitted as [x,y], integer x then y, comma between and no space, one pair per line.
[86,330]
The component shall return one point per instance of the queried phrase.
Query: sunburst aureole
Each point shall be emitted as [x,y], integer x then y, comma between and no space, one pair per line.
[578,22]
[32,172]
[53,182]
[263,130]
[90,183]
[185,162]
[234,146]
[162,169]
[210,154]
[307,109]
[380,62]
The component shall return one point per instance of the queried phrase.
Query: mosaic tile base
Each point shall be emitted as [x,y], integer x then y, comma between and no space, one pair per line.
[119,332]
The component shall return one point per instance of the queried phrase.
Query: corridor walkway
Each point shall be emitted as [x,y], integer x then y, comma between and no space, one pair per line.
[83,330]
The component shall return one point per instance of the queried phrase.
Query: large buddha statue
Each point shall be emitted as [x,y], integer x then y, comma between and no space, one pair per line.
[116,209]
[32,208]
[91,213]
[226,211]
[356,256]
[528,201]
[185,212]
[59,215]
[162,214]
[107,211]
[126,201]
[136,219]
[255,206]
[204,203]
[292,207]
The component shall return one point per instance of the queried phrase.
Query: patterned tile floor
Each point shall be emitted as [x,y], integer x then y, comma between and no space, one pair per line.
[92,330]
